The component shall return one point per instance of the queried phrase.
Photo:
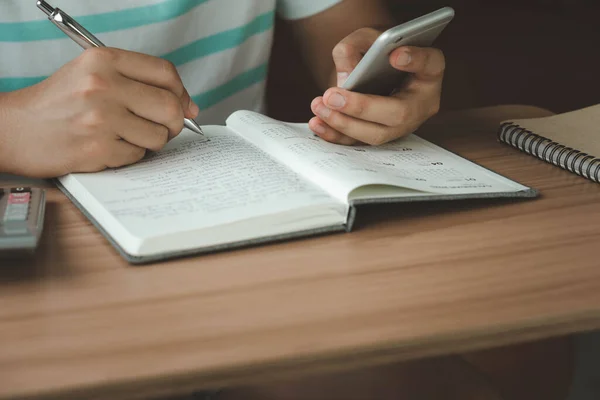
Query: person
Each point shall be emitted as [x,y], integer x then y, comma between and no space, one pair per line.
[65,110]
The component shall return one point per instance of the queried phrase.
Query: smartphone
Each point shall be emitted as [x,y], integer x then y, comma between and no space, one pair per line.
[374,74]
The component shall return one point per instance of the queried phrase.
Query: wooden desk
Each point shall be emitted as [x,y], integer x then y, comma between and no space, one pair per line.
[412,281]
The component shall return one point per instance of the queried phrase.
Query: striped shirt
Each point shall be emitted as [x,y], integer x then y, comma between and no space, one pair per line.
[220,47]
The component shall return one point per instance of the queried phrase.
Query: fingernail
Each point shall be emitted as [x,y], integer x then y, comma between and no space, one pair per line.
[318,128]
[341,78]
[336,100]
[403,59]
[193,108]
[323,111]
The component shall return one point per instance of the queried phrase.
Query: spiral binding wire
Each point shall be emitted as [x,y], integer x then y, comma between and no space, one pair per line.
[555,153]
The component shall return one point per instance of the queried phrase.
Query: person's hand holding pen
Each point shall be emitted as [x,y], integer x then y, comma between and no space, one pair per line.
[105,108]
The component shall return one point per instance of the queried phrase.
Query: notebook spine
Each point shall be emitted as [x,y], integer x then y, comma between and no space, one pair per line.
[552,152]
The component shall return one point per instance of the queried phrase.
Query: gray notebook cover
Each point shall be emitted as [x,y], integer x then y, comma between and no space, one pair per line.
[293,235]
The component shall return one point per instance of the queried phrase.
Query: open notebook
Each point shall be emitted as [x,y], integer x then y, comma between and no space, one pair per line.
[257,180]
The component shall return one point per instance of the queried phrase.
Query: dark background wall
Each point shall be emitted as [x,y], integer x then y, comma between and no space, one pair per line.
[538,52]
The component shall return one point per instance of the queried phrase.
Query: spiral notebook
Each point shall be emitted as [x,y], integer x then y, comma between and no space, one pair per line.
[570,141]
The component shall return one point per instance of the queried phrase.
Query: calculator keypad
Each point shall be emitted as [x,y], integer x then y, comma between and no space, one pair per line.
[17,205]
[21,219]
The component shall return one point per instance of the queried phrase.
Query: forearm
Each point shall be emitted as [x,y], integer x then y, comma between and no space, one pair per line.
[6,131]
[318,35]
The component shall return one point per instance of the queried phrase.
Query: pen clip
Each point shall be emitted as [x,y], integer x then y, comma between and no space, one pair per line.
[45,7]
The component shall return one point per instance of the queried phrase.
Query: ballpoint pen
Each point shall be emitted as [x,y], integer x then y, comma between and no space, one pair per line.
[85,39]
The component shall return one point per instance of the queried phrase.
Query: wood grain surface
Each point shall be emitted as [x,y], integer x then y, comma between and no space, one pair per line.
[412,281]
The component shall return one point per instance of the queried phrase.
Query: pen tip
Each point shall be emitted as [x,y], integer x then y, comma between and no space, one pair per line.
[193,126]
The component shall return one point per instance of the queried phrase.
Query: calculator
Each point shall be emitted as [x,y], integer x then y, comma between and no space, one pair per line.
[21,219]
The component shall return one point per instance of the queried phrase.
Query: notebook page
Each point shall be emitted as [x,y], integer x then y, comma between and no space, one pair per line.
[411,162]
[193,183]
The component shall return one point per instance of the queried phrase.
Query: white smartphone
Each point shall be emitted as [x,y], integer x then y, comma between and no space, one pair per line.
[374,74]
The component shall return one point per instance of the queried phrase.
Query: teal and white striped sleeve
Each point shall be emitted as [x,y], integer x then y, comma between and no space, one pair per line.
[297,9]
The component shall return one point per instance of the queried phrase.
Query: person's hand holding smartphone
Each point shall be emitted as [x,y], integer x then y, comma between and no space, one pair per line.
[390,91]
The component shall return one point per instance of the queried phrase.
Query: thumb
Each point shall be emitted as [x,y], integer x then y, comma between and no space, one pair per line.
[190,108]
[348,53]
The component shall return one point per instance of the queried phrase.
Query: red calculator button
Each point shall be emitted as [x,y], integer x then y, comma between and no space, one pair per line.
[19,198]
